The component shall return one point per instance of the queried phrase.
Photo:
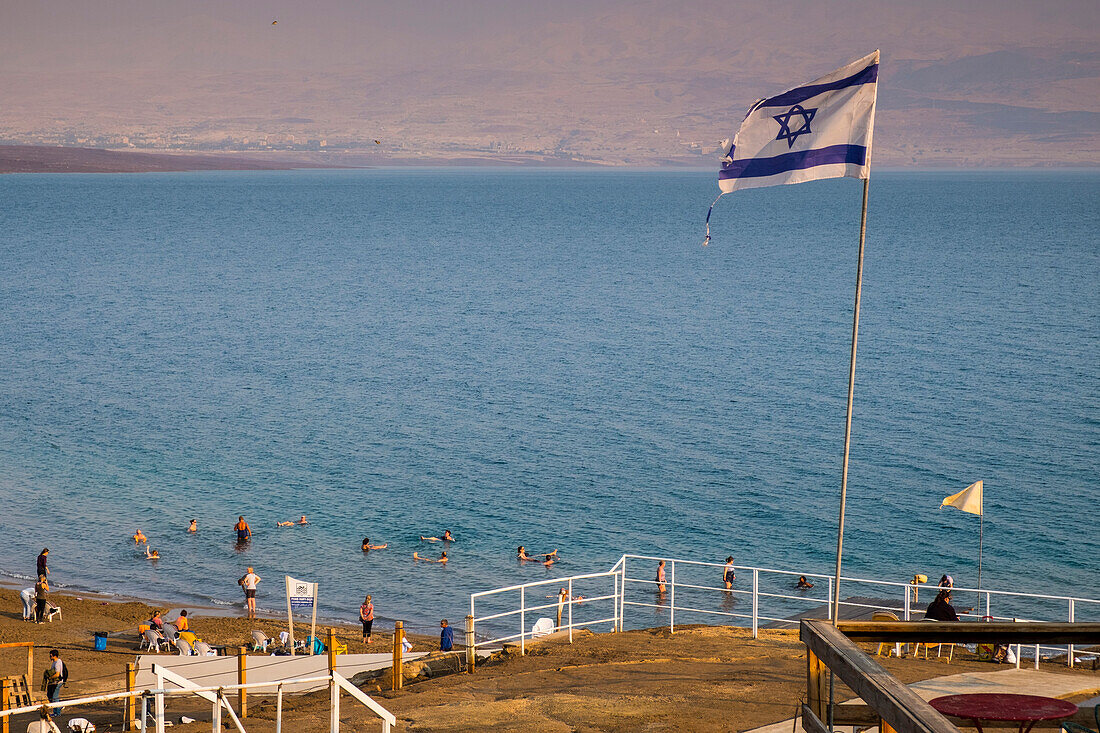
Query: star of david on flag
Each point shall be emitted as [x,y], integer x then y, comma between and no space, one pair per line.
[818,130]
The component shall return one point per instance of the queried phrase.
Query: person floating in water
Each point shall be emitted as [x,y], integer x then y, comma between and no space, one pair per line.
[367,546]
[139,538]
[442,558]
[244,532]
[447,537]
[194,526]
[151,554]
[803,584]
[546,558]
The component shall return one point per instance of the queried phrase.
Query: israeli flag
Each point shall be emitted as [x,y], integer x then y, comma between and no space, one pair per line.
[819,130]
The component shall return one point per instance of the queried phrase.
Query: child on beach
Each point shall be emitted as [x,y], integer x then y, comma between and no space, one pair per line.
[442,558]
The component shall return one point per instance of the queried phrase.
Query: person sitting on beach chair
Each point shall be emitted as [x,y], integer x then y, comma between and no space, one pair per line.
[44,724]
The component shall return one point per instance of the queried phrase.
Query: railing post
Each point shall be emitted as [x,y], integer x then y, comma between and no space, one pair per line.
[569,605]
[279,709]
[334,699]
[143,724]
[471,650]
[815,684]
[397,673]
[159,705]
[216,715]
[522,620]
[242,678]
[5,700]
[987,612]
[830,604]
[622,595]
[129,711]
[672,599]
[755,601]
[1069,656]
[907,605]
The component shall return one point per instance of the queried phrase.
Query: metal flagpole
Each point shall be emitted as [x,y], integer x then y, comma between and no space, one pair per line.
[981,526]
[848,436]
[848,418]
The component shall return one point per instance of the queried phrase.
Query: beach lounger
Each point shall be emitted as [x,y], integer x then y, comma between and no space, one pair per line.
[151,640]
[260,640]
[203,649]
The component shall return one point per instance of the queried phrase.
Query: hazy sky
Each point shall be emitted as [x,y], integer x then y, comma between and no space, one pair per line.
[394,66]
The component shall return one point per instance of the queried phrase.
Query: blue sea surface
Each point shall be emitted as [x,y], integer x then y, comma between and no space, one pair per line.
[546,358]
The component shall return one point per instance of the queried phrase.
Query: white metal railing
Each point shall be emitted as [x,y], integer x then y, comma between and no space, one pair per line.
[216,696]
[770,598]
[563,608]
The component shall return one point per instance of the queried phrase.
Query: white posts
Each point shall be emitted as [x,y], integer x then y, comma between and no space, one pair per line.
[279,709]
[755,601]
[159,703]
[522,620]
[622,595]
[144,713]
[215,717]
[906,604]
[830,596]
[1069,656]
[672,600]
[570,605]
[334,705]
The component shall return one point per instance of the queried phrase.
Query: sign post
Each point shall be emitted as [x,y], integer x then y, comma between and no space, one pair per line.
[300,594]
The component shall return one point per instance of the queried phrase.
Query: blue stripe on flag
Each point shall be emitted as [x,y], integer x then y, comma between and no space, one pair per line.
[801,94]
[758,167]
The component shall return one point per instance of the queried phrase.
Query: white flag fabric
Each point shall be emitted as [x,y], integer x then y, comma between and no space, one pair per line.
[968,500]
[818,130]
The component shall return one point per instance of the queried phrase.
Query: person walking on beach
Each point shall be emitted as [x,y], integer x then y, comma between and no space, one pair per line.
[446,636]
[42,567]
[55,676]
[41,589]
[728,575]
[248,581]
[661,576]
[366,615]
[244,532]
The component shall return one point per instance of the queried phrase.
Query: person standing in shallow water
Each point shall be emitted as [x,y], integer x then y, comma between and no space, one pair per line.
[248,582]
[728,575]
[244,532]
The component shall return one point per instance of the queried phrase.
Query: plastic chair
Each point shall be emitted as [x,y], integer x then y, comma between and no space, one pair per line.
[151,640]
[52,610]
[183,648]
[886,616]
[260,640]
[171,633]
[542,627]
[339,648]
[203,649]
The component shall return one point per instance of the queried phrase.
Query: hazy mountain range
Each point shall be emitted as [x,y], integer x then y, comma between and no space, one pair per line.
[984,82]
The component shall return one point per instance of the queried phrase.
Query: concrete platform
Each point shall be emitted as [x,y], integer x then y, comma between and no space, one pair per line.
[1018,681]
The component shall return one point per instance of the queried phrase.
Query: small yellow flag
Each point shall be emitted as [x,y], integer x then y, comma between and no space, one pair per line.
[968,500]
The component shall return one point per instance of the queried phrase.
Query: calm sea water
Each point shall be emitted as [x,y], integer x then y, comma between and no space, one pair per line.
[546,358]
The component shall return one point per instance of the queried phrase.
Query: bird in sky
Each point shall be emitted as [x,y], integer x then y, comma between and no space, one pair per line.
[274,22]
[377,142]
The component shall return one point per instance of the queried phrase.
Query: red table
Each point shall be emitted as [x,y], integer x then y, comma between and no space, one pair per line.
[1027,710]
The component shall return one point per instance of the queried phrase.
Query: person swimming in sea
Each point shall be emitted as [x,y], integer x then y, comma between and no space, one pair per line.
[442,558]
[194,526]
[367,546]
[447,537]
[803,584]
[139,538]
[544,558]
[151,554]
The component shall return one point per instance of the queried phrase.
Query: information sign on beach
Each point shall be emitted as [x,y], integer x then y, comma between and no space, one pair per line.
[301,594]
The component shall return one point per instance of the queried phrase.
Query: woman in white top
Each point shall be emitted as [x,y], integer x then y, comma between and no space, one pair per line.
[43,724]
